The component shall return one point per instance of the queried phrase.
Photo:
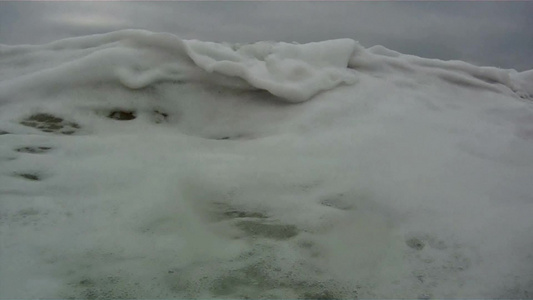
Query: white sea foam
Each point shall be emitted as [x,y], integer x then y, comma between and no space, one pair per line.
[139,165]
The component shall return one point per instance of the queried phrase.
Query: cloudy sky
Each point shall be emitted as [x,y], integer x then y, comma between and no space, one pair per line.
[484,33]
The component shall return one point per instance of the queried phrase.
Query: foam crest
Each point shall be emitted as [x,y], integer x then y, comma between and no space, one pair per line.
[138,59]
[293,72]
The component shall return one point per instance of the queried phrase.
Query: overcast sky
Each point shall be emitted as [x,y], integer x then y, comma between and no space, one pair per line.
[485,33]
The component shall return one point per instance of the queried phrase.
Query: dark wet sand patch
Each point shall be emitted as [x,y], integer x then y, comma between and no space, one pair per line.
[260,278]
[33,150]
[253,223]
[233,214]
[160,116]
[415,243]
[29,176]
[122,115]
[232,137]
[50,123]
[107,287]
[224,211]
[267,230]
[337,201]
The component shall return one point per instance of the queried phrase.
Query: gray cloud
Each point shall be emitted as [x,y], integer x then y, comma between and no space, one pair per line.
[486,33]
